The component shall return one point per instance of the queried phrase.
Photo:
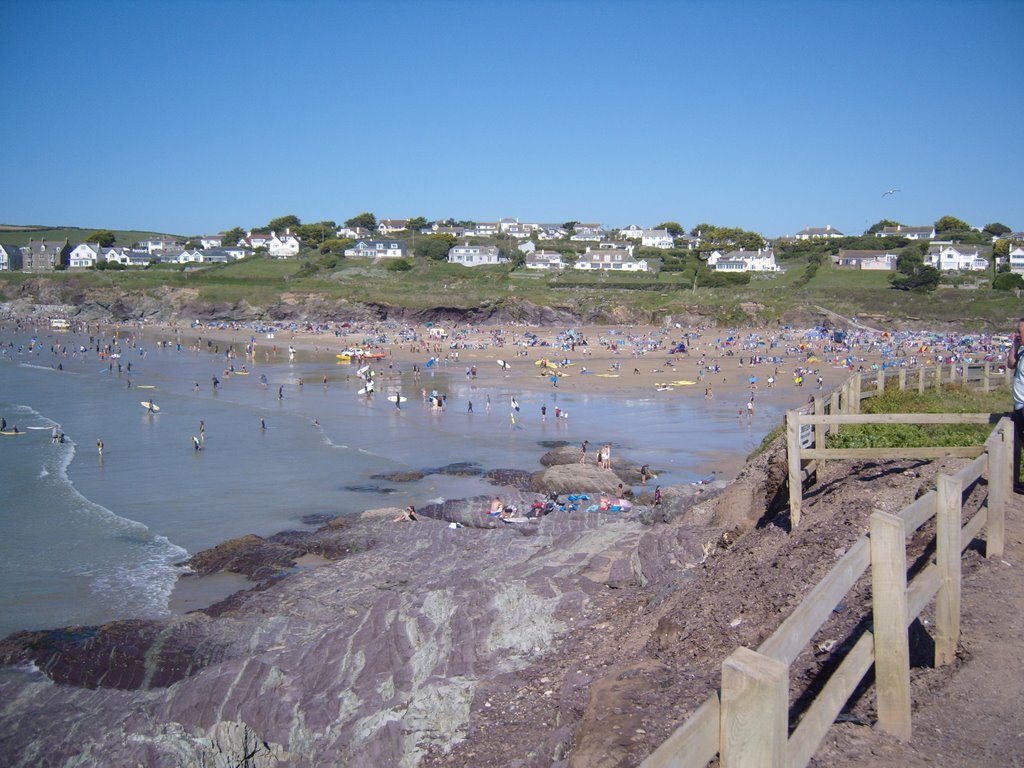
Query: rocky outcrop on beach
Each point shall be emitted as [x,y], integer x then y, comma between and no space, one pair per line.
[389,655]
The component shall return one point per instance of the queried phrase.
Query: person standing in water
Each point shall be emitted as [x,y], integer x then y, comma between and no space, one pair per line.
[99,447]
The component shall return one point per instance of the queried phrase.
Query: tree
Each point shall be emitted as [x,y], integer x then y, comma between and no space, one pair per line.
[436,247]
[103,237]
[416,223]
[951,224]
[331,245]
[674,228]
[1008,281]
[996,229]
[281,223]
[232,236]
[316,234]
[879,226]
[399,265]
[365,220]
[912,274]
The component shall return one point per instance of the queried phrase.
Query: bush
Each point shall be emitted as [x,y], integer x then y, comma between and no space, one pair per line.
[399,265]
[1008,281]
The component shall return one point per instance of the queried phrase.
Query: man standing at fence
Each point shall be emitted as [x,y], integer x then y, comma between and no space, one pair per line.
[1017,366]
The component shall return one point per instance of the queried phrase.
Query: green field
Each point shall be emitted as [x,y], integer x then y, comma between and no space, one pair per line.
[74,235]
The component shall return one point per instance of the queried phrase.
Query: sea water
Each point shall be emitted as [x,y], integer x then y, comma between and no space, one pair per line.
[87,538]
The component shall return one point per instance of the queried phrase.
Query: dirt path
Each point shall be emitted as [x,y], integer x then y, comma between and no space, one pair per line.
[972,715]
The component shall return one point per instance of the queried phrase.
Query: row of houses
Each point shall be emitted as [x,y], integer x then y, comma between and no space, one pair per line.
[944,256]
[48,255]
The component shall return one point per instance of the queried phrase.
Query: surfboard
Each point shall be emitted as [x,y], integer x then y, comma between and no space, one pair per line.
[242,373]
[48,428]
[503,364]
[146,404]
[12,433]
[397,398]
[367,390]
[362,370]
[683,383]
[663,389]
[344,358]
[145,386]
[608,375]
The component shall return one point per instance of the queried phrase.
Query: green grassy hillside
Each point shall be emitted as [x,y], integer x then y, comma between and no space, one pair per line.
[74,235]
[781,298]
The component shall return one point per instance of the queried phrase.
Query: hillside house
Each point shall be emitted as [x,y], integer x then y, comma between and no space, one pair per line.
[485,229]
[85,255]
[656,238]
[128,257]
[812,233]
[950,257]
[546,260]
[211,241]
[45,255]
[911,233]
[254,241]
[865,259]
[10,258]
[1017,260]
[283,246]
[159,245]
[355,233]
[475,255]
[379,249]
[615,259]
[761,260]
[632,232]
[388,226]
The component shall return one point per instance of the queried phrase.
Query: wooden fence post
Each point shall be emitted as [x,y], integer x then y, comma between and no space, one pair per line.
[986,377]
[889,609]
[755,711]
[1001,477]
[920,380]
[880,385]
[796,489]
[855,400]
[948,512]
[819,431]
[903,379]
[938,377]
[834,411]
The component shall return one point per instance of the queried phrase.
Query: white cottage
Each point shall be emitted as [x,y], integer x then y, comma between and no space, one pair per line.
[475,255]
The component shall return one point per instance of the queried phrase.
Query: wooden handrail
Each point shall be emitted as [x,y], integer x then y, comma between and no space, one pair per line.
[727,730]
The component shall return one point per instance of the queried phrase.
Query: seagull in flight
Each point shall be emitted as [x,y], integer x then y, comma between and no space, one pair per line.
[890,192]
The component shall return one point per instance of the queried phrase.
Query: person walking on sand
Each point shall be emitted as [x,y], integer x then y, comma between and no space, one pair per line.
[1013,361]
[583,452]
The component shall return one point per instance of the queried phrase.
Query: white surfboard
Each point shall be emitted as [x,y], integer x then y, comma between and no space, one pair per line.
[149,406]
[397,398]
[503,364]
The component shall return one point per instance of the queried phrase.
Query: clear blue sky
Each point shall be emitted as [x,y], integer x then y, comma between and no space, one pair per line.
[193,117]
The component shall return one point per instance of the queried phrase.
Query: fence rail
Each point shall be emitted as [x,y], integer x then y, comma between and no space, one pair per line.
[746,722]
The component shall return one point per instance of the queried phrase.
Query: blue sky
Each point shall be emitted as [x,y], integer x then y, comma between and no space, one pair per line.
[193,117]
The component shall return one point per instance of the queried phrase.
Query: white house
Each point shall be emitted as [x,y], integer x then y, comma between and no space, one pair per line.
[387,226]
[544,260]
[255,241]
[551,232]
[1017,259]
[911,233]
[128,257]
[486,229]
[356,233]
[865,259]
[520,231]
[656,238]
[810,233]
[10,257]
[211,241]
[761,260]
[379,249]
[158,245]
[283,246]
[948,257]
[610,258]
[191,256]
[475,255]
[632,232]
[505,224]
[85,255]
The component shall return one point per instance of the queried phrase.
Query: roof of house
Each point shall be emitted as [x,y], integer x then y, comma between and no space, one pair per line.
[862,254]
[828,229]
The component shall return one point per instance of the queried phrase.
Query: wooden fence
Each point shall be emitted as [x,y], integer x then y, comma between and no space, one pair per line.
[807,428]
[747,722]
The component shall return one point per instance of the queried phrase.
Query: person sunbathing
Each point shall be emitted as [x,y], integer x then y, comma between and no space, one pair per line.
[408,515]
